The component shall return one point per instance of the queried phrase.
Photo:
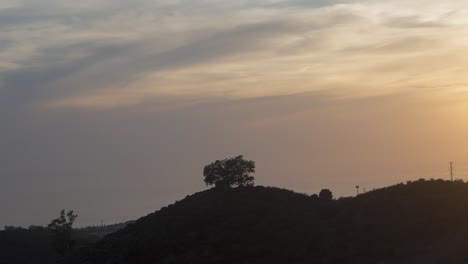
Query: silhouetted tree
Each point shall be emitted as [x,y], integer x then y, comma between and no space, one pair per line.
[230,172]
[325,194]
[62,227]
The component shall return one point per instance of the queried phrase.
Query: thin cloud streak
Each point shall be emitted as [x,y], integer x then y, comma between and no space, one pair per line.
[94,56]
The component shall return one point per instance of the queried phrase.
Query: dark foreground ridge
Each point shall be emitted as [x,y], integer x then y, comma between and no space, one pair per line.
[37,244]
[418,222]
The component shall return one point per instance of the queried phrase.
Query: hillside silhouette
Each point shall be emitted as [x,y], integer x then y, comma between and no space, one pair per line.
[425,221]
[36,244]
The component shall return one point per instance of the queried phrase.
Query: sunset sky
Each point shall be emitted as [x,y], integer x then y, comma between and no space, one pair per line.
[112,108]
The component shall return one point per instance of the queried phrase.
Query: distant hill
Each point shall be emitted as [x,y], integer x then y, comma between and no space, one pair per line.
[36,244]
[418,222]
[101,231]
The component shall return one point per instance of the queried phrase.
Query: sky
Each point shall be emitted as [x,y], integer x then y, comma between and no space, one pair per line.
[112,108]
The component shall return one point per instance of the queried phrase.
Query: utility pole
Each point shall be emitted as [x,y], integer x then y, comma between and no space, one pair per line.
[357,190]
[451,170]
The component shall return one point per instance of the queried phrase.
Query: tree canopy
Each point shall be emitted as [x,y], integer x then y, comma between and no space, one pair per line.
[229,173]
[326,194]
[62,227]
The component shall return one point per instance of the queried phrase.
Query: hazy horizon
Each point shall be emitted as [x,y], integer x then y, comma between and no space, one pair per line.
[112,108]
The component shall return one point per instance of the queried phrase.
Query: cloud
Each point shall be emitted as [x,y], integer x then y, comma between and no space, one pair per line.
[54,55]
[413,22]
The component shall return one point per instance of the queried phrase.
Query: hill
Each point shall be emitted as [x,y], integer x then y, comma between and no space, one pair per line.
[417,222]
[36,244]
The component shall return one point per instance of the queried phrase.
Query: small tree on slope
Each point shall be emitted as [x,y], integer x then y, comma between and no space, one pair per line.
[62,227]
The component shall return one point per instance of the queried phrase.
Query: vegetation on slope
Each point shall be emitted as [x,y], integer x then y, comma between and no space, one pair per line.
[38,244]
[417,222]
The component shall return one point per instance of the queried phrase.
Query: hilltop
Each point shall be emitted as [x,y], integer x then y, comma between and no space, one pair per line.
[416,222]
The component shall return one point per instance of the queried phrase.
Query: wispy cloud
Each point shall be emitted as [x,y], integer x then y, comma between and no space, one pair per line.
[100,52]
[111,54]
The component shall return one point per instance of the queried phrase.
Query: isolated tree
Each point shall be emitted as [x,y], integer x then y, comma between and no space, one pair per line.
[326,194]
[62,227]
[229,173]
